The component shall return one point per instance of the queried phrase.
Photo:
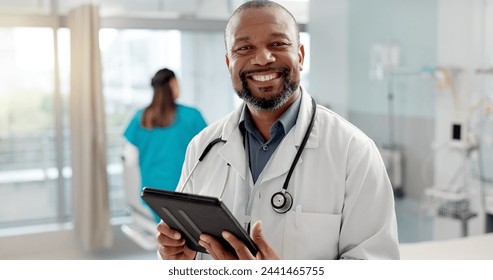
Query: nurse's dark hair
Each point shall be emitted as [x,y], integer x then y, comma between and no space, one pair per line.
[260,4]
[162,110]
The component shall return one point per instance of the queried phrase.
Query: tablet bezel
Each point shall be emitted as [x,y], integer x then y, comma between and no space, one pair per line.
[193,214]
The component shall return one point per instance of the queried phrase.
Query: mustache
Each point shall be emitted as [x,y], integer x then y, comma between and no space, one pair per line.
[283,70]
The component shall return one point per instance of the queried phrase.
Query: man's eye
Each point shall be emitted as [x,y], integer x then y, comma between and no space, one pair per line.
[279,44]
[244,48]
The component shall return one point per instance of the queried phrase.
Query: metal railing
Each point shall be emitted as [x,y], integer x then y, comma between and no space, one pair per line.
[29,162]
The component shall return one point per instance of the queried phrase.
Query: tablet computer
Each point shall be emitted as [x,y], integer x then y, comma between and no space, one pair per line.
[193,215]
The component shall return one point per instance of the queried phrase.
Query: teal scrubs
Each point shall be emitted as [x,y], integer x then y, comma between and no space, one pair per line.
[162,150]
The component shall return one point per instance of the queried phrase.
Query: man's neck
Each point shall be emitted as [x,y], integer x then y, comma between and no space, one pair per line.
[264,119]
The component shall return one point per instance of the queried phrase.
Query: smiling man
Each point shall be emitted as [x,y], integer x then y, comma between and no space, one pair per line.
[264,57]
[303,181]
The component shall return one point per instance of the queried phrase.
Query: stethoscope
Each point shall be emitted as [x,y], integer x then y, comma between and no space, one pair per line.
[281,201]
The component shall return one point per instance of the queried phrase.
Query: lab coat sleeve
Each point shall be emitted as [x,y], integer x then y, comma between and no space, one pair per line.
[369,226]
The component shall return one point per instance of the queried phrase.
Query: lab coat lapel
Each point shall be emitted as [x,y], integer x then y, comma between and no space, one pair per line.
[233,152]
[304,117]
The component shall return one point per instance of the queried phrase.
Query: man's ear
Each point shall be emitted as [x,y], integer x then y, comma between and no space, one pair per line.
[301,55]
[227,59]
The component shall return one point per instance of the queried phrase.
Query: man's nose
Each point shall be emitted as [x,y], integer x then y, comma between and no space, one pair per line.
[263,57]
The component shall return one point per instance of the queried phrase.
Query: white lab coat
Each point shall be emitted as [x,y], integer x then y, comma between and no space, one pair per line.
[343,200]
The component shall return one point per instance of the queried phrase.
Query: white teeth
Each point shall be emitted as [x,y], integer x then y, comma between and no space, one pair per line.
[263,78]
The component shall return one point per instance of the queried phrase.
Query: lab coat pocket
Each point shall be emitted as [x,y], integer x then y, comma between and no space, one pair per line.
[311,235]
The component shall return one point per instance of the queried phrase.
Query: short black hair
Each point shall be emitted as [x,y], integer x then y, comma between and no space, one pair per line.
[260,4]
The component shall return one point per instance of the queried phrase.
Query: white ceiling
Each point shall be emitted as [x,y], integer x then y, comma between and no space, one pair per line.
[201,9]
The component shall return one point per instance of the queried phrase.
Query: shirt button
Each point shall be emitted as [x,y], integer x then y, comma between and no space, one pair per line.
[265,148]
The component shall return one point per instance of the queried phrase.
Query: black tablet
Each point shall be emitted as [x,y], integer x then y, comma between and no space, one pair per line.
[193,215]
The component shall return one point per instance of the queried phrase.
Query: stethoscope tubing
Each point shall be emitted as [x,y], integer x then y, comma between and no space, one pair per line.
[284,191]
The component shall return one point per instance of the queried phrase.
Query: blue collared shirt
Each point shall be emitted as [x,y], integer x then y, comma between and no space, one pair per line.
[260,151]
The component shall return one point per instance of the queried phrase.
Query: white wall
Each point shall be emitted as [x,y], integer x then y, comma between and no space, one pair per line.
[329,46]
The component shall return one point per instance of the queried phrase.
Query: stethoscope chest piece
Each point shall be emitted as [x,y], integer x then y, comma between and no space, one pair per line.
[281,202]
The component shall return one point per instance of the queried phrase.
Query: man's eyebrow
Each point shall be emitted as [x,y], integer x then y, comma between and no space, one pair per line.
[279,35]
[273,35]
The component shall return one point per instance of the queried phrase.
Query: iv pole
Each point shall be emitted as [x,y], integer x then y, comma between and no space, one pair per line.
[390,99]
[384,63]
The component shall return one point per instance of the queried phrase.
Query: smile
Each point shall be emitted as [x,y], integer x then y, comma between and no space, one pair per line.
[265,77]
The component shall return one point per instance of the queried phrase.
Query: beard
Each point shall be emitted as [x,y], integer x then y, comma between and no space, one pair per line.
[270,103]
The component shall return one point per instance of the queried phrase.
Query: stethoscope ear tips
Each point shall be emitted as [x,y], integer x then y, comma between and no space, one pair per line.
[281,202]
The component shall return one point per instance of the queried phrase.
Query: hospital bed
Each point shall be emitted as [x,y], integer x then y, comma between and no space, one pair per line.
[141,227]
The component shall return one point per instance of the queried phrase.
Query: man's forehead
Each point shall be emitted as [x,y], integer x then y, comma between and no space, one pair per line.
[257,17]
